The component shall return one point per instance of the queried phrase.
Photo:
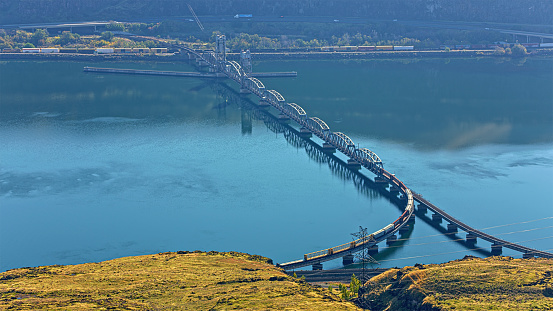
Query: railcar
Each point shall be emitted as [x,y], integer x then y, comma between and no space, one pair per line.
[30,50]
[404,48]
[158,50]
[49,50]
[140,50]
[68,50]
[86,51]
[363,48]
[105,50]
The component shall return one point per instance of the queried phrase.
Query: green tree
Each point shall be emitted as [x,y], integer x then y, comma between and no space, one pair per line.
[106,35]
[39,37]
[354,285]
[4,44]
[344,291]
[21,36]
[28,45]
[499,51]
[518,50]
[67,37]
[115,26]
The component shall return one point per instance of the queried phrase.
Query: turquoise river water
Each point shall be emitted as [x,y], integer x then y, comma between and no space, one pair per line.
[100,166]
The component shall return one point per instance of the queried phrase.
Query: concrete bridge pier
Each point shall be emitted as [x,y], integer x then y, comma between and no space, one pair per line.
[347,260]
[422,208]
[263,104]
[201,62]
[452,228]
[436,217]
[317,266]
[354,165]
[527,255]
[282,118]
[404,229]
[244,90]
[305,133]
[471,238]
[373,250]
[391,239]
[496,249]
[412,219]
[394,189]
[328,148]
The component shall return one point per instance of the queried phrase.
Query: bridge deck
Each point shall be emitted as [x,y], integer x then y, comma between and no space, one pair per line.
[478,233]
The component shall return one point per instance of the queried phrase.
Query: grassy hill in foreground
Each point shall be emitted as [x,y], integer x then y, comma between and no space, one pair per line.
[222,281]
[175,281]
[495,283]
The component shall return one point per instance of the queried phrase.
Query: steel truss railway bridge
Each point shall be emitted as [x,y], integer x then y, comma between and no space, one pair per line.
[240,72]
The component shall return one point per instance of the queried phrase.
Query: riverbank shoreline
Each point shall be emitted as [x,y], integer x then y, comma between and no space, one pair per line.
[271,56]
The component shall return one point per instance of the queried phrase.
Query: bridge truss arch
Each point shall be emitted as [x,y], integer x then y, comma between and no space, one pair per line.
[275,98]
[235,70]
[254,85]
[318,126]
[343,142]
[296,111]
[368,158]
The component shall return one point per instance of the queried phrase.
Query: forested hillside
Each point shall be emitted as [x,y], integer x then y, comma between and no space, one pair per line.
[519,11]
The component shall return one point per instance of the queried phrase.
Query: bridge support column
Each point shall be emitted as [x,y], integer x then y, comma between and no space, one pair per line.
[391,239]
[347,260]
[282,118]
[263,104]
[527,255]
[328,148]
[373,250]
[354,165]
[412,219]
[436,217]
[305,133]
[404,229]
[422,208]
[394,189]
[317,266]
[471,238]
[452,228]
[496,249]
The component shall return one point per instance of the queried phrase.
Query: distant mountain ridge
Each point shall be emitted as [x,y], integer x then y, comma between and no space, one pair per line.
[509,11]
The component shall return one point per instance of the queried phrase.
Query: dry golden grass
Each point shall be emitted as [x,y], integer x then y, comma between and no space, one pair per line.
[495,283]
[169,281]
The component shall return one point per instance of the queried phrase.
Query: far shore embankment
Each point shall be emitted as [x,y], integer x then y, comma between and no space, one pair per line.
[269,55]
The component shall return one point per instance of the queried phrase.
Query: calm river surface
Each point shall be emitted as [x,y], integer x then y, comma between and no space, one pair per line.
[99,166]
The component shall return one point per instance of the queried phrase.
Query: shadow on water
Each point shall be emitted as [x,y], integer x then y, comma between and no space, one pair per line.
[365,185]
